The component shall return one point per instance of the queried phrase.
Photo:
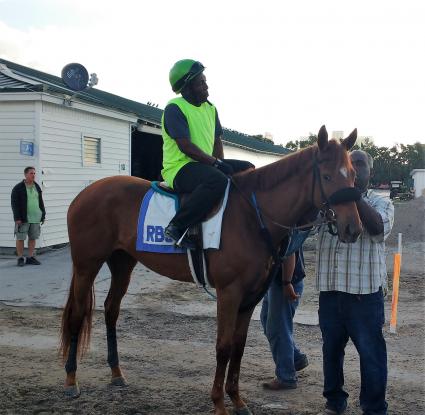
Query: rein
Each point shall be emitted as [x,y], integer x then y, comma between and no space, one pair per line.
[253,202]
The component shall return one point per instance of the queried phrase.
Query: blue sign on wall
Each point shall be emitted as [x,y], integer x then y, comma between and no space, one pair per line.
[26,148]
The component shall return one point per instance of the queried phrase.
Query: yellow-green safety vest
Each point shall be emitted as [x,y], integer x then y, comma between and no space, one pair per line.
[201,121]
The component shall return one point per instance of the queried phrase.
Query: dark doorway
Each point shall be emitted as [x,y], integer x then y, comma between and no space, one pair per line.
[146,155]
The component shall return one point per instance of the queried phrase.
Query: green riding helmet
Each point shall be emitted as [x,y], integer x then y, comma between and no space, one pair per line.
[184,71]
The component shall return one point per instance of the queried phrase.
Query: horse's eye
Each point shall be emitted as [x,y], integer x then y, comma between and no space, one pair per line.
[327,177]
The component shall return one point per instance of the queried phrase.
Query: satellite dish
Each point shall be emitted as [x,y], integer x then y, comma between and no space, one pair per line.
[75,76]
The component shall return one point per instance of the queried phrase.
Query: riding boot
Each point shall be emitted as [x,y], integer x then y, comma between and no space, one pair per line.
[179,237]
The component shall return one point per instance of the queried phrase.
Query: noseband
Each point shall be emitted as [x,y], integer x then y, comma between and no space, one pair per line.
[347,194]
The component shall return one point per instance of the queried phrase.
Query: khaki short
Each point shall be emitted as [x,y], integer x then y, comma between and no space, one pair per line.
[32,230]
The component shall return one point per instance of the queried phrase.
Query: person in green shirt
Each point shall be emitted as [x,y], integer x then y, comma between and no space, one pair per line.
[193,159]
[28,213]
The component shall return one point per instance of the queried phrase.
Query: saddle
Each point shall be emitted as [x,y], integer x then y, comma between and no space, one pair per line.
[163,186]
[197,259]
[195,231]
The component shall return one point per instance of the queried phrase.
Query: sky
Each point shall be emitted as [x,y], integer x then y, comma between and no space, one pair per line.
[278,67]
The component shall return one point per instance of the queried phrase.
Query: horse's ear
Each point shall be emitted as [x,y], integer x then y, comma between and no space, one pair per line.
[350,140]
[322,138]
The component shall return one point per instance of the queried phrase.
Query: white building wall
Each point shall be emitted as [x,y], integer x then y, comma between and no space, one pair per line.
[17,122]
[57,132]
[64,174]
[258,159]
[418,176]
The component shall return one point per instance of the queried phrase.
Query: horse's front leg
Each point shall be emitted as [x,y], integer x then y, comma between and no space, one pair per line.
[232,382]
[227,307]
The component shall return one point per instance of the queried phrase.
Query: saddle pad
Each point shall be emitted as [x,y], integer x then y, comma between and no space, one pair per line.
[156,211]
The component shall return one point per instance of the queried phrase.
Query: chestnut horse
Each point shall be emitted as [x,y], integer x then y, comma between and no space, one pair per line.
[102,228]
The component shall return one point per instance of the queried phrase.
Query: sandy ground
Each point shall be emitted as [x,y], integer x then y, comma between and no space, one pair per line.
[167,342]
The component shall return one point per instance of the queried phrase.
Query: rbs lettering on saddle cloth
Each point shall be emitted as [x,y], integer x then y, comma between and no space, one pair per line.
[155,234]
[156,211]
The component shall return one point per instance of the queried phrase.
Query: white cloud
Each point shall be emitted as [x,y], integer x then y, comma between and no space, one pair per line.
[271,66]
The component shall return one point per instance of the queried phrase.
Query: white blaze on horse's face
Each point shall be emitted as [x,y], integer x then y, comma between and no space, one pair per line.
[344,171]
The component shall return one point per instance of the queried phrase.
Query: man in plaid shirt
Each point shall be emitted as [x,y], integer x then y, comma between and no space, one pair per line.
[351,279]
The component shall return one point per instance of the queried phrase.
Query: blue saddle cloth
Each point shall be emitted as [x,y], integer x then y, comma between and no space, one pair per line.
[156,210]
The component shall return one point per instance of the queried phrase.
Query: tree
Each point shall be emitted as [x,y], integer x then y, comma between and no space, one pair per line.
[389,164]
[302,142]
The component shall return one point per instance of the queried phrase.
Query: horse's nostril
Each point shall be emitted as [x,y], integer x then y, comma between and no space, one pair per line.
[355,233]
[352,232]
[348,230]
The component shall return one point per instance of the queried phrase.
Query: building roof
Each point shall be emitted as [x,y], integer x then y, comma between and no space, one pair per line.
[414,171]
[15,77]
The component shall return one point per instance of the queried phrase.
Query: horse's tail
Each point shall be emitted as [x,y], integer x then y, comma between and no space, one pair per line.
[86,323]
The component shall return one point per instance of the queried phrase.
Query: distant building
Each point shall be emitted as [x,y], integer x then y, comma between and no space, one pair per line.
[337,135]
[268,135]
[418,176]
[73,139]
[363,139]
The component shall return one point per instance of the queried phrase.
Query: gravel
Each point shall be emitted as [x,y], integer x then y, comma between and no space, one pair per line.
[409,219]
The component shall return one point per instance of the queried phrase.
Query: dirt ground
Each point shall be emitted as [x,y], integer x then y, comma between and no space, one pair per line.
[168,355]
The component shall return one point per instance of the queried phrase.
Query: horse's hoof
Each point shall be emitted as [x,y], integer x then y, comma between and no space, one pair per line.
[72,391]
[119,381]
[242,411]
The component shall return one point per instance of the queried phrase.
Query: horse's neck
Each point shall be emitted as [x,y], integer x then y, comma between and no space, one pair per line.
[290,198]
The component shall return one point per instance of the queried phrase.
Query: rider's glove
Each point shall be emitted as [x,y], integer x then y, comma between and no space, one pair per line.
[224,167]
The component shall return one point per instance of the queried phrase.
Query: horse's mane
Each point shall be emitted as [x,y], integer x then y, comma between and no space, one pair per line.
[268,176]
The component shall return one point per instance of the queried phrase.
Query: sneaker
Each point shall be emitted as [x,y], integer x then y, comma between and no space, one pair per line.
[33,261]
[277,385]
[21,262]
[301,363]
[174,233]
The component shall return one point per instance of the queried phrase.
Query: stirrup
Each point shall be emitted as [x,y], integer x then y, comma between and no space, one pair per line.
[185,242]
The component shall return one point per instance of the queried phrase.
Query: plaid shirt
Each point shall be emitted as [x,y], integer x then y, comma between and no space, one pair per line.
[355,268]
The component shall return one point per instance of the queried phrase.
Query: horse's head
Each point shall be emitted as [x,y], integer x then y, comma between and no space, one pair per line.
[334,184]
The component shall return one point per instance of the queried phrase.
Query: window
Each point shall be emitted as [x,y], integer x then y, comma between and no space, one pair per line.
[91,151]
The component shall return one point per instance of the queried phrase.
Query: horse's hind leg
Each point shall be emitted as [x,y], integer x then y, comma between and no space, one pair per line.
[232,382]
[121,265]
[76,322]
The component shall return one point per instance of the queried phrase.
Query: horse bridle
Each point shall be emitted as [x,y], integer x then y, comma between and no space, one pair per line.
[346,194]
[327,214]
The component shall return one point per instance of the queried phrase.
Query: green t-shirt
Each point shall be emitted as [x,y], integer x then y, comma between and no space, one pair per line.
[201,121]
[33,207]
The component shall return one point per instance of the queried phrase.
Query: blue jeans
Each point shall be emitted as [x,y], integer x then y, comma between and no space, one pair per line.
[360,318]
[276,316]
